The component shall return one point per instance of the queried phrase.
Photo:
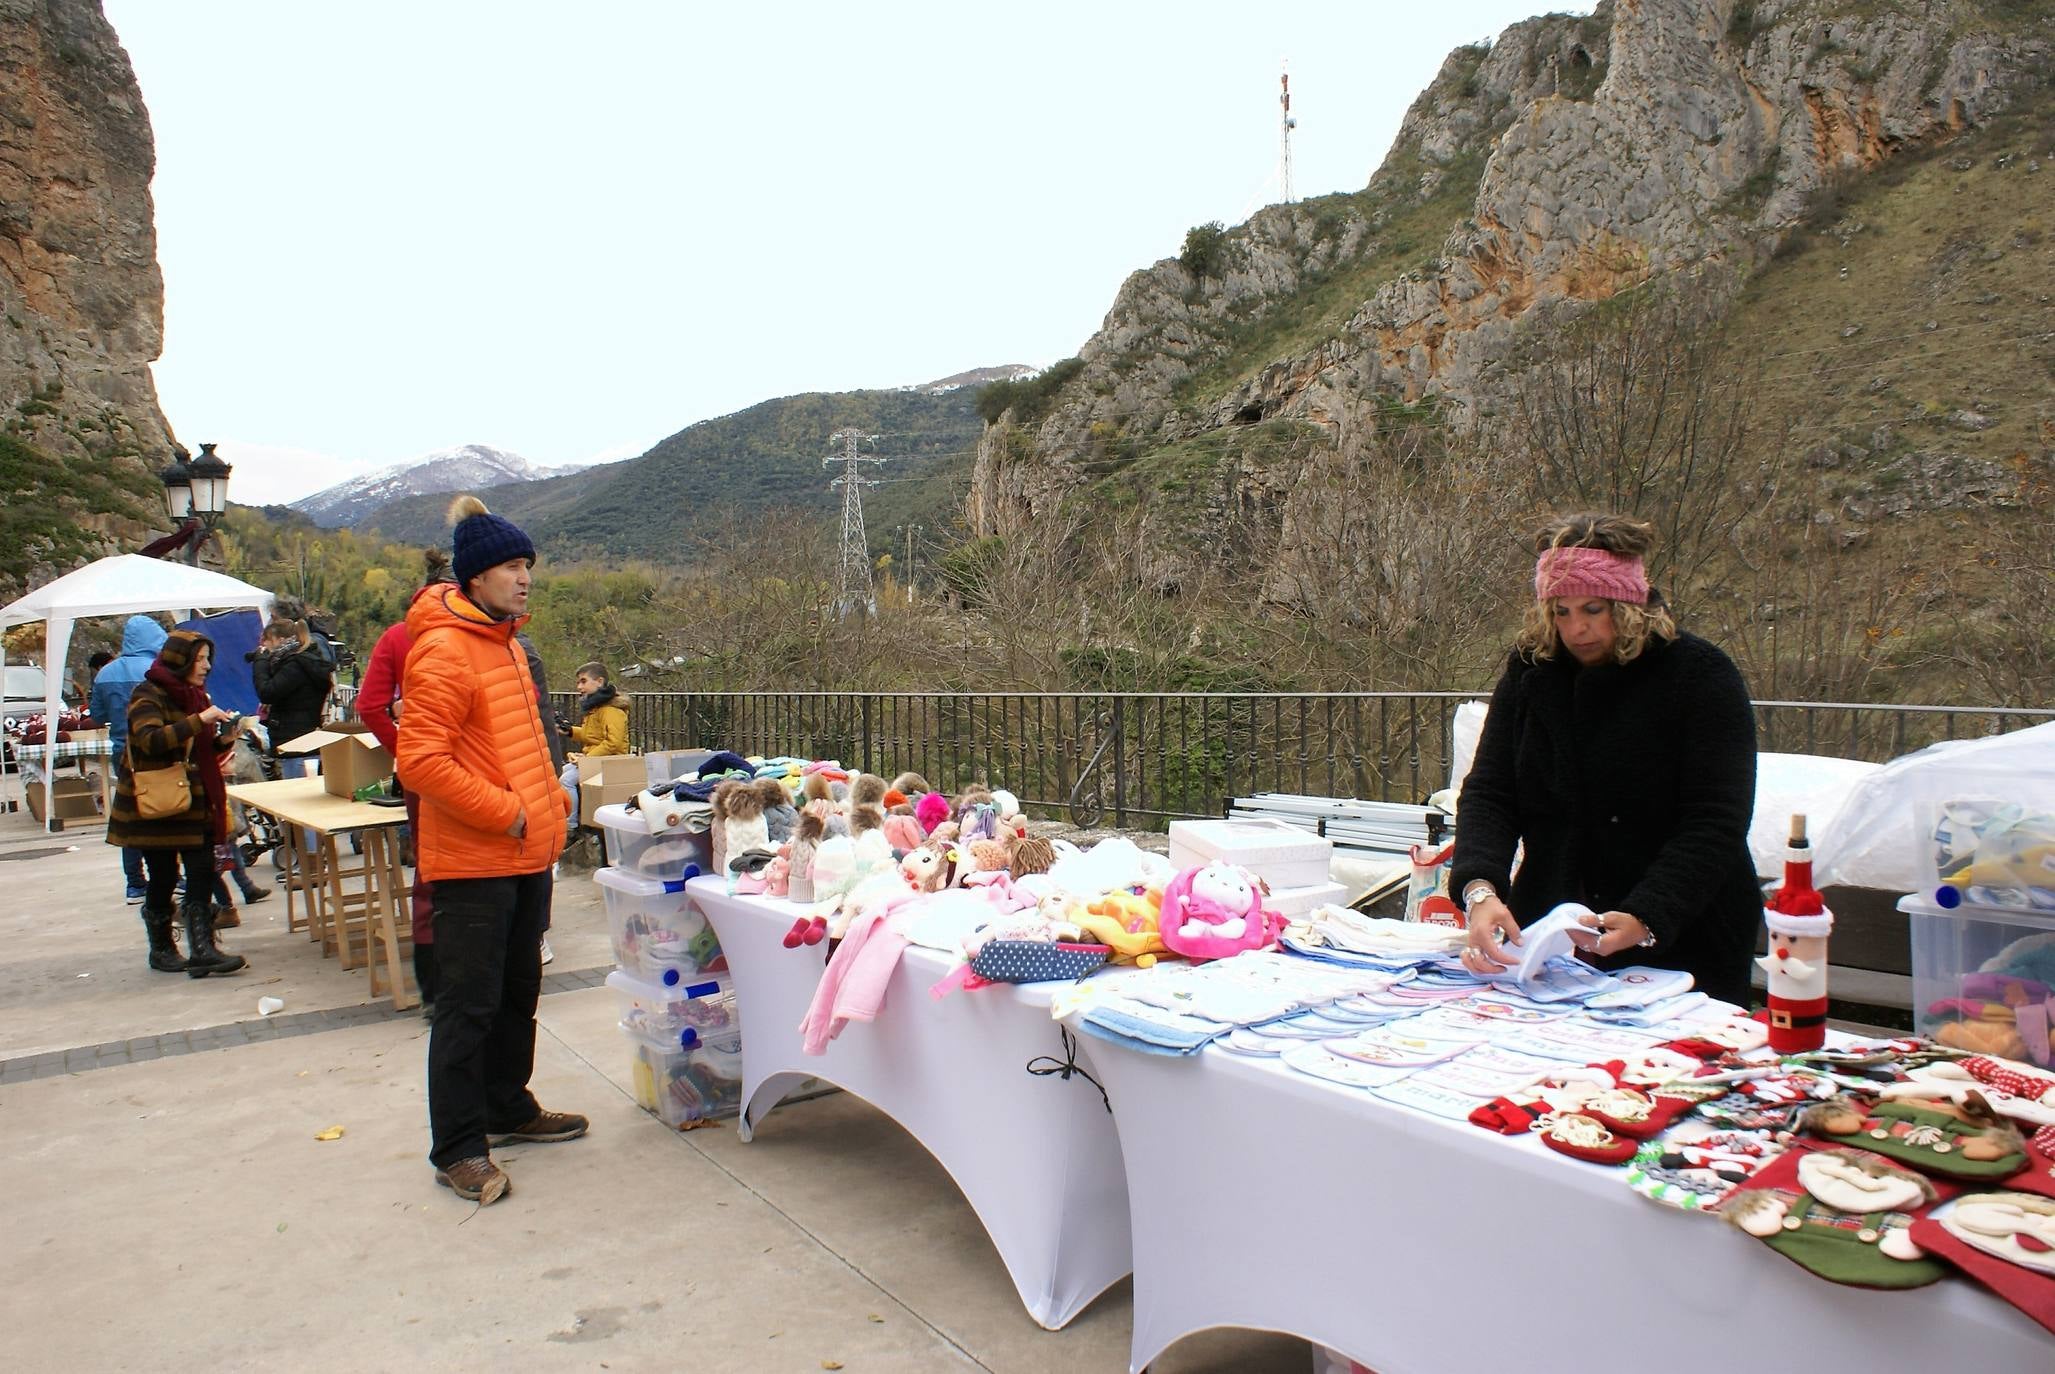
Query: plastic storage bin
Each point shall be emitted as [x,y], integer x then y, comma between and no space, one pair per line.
[1984,979]
[632,849]
[659,936]
[684,1013]
[1282,855]
[685,1085]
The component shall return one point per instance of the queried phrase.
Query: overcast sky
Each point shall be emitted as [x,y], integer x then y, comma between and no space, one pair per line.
[568,231]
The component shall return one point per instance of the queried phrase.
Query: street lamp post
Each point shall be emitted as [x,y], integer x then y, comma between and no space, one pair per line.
[195,489]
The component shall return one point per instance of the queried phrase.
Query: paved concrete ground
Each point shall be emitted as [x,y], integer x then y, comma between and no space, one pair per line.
[175,1211]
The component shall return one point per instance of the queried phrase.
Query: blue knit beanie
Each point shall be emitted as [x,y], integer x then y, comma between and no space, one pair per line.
[482,540]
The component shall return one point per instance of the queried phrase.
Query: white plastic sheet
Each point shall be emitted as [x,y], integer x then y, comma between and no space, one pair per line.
[1875,840]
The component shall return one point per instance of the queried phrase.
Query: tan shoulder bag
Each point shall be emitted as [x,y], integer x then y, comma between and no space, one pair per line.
[163,792]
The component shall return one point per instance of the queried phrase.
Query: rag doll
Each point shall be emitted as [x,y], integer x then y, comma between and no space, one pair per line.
[1030,854]
[1214,911]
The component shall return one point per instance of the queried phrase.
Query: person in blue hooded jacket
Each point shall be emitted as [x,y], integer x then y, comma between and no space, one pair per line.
[113,685]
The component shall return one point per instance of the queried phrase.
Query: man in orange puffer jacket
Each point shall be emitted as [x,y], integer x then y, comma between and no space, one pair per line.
[471,744]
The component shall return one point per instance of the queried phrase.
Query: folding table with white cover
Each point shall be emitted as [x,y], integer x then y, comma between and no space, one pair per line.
[1417,1245]
[1035,1154]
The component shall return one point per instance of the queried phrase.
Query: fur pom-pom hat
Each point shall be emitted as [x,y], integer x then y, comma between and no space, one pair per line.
[480,540]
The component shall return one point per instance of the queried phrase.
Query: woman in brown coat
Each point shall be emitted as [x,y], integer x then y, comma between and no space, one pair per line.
[172,724]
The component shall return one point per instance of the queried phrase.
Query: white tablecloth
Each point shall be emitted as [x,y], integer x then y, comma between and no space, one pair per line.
[1283,1203]
[1036,1157]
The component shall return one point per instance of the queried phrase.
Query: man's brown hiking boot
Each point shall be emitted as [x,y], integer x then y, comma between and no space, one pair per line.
[476,1179]
[546,1128]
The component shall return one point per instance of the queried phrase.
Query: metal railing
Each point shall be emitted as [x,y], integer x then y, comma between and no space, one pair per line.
[1137,759]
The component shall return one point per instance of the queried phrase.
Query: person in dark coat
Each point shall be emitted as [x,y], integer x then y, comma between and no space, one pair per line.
[173,724]
[1621,753]
[292,681]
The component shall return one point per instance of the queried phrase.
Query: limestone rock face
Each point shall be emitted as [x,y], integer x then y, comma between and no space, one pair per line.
[81,298]
[1569,160]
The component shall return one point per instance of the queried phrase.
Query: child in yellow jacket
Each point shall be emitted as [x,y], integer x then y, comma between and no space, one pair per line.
[602,730]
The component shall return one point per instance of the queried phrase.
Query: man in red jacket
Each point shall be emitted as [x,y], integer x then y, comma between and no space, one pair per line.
[378,706]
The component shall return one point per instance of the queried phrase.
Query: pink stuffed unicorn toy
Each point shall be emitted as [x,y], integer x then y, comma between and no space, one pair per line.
[1216,910]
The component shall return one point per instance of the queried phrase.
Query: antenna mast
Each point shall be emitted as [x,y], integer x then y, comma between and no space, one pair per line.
[1285,125]
[854,591]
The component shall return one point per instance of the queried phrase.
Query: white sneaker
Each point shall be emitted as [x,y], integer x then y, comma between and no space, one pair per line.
[547,953]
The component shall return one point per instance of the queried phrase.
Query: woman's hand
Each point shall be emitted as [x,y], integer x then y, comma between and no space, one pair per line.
[519,829]
[1491,921]
[214,715]
[1612,931]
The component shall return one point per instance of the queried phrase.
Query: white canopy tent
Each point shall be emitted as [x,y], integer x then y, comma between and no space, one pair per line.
[127,584]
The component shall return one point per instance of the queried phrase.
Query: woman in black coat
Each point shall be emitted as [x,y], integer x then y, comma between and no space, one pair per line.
[1621,753]
[292,679]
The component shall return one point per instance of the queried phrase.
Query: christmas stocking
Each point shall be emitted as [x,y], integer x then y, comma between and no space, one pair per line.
[2005,1241]
[1845,1215]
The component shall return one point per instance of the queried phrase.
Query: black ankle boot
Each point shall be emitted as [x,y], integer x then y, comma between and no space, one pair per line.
[202,958]
[164,955]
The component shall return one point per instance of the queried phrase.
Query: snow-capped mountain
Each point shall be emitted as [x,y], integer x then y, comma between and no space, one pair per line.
[977,376]
[468,468]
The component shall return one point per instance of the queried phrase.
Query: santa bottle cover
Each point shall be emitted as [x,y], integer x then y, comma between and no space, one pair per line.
[1796,965]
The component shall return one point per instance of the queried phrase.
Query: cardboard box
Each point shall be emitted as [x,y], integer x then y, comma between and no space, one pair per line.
[595,792]
[668,765]
[351,757]
[73,799]
[615,768]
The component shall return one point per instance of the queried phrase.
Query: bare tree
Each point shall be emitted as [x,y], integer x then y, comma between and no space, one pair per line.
[1642,405]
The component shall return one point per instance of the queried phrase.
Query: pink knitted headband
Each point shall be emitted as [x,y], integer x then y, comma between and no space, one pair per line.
[1590,572]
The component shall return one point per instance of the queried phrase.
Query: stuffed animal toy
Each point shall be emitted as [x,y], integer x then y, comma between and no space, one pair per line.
[1128,922]
[1214,911]
[931,811]
[926,868]
[739,823]
[1012,824]
[865,807]
[903,833]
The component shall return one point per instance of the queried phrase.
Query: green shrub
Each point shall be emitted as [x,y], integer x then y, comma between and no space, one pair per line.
[1028,398]
[1205,249]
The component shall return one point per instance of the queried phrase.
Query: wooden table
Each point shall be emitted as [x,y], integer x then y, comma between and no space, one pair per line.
[303,804]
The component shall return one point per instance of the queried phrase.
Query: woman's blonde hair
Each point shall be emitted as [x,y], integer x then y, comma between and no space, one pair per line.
[1633,625]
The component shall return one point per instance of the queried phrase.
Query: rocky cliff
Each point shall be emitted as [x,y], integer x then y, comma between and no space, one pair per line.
[1569,160]
[81,300]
